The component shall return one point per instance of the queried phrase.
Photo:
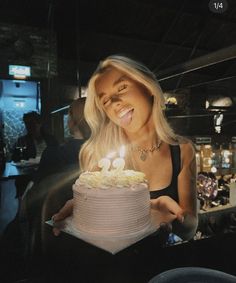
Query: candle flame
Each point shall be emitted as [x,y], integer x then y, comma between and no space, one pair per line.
[122,151]
[111,154]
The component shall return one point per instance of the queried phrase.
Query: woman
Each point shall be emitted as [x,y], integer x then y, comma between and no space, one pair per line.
[125,105]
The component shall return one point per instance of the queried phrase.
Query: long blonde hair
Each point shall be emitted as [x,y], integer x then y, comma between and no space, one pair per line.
[107,136]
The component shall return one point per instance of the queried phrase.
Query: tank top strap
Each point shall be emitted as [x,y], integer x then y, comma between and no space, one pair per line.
[176,160]
[172,189]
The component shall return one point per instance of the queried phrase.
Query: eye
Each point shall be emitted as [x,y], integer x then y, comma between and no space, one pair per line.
[106,101]
[122,87]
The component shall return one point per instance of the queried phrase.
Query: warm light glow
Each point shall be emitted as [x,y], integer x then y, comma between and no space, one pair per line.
[119,163]
[122,151]
[209,161]
[213,169]
[171,100]
[208,146]
[226,153]
[19,77]
[222,101]
[111,154]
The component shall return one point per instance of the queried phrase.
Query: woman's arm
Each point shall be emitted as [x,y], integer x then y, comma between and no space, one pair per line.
[182,215]
[187,193]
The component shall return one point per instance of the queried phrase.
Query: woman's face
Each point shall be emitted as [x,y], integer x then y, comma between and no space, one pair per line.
[126,102]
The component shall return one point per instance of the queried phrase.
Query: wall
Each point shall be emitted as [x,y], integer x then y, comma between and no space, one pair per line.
[30,46]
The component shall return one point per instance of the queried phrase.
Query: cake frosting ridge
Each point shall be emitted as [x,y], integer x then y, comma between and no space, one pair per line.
[111,204]
[125,178]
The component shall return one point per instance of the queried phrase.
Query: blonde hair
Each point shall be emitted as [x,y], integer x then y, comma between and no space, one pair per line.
[76,118]
[107,136]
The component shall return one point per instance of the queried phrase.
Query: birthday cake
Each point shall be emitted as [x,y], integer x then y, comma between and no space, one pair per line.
[113,204]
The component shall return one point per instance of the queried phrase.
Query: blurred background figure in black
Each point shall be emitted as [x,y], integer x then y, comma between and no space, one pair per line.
[58,169]
[35,141]
[64,157]
[31,146]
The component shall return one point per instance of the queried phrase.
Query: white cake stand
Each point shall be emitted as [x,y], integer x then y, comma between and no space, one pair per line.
[110,244]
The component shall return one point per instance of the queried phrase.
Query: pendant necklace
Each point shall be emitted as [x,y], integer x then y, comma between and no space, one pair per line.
[144,151]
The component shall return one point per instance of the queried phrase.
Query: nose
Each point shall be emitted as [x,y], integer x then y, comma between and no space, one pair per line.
[116,101]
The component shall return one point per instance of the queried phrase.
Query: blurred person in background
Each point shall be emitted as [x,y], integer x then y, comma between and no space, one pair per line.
[56,161]
[35,141]
[65,156]
[31,146]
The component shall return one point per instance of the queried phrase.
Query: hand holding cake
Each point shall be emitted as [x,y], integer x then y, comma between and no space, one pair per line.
[62,214]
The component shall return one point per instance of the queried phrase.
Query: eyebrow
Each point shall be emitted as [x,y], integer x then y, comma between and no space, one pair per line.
[120,79]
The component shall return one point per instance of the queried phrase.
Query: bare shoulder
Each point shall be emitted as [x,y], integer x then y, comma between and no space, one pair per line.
[187,151]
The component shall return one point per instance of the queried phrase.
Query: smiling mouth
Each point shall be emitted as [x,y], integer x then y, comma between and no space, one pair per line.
[125,117]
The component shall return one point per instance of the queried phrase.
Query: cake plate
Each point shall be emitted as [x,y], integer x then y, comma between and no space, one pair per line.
[111,244]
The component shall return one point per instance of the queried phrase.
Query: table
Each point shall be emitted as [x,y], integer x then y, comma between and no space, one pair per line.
[11,171]
[13,182]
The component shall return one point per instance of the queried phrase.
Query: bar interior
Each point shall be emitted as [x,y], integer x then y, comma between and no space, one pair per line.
[48,52]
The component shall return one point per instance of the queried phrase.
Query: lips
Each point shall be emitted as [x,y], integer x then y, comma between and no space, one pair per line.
[125,116]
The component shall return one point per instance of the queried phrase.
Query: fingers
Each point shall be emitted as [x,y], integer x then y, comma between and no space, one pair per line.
[56,224]
[168,207]
[63,213]
[173,207]
[180,217]
[154,204]
[162,216]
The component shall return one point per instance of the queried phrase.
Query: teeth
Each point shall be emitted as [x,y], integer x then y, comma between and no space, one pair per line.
[123,112]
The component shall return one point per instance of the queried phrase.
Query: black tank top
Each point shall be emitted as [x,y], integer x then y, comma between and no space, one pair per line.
[172,189]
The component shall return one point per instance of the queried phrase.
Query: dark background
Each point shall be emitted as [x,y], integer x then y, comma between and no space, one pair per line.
[190,48]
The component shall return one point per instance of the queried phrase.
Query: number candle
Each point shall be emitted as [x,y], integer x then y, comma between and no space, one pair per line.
[105,164]
[119,163]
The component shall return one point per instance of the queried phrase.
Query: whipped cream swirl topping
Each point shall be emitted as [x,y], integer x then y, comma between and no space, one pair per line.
[126,178]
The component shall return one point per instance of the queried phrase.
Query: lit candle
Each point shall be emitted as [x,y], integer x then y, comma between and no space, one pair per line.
[111,154]
[105,164]
[119,163]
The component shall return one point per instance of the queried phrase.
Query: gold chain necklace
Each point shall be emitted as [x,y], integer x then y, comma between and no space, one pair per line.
[144,151]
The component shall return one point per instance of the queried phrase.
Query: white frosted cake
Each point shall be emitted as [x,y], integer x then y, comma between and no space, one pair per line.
[114,204]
